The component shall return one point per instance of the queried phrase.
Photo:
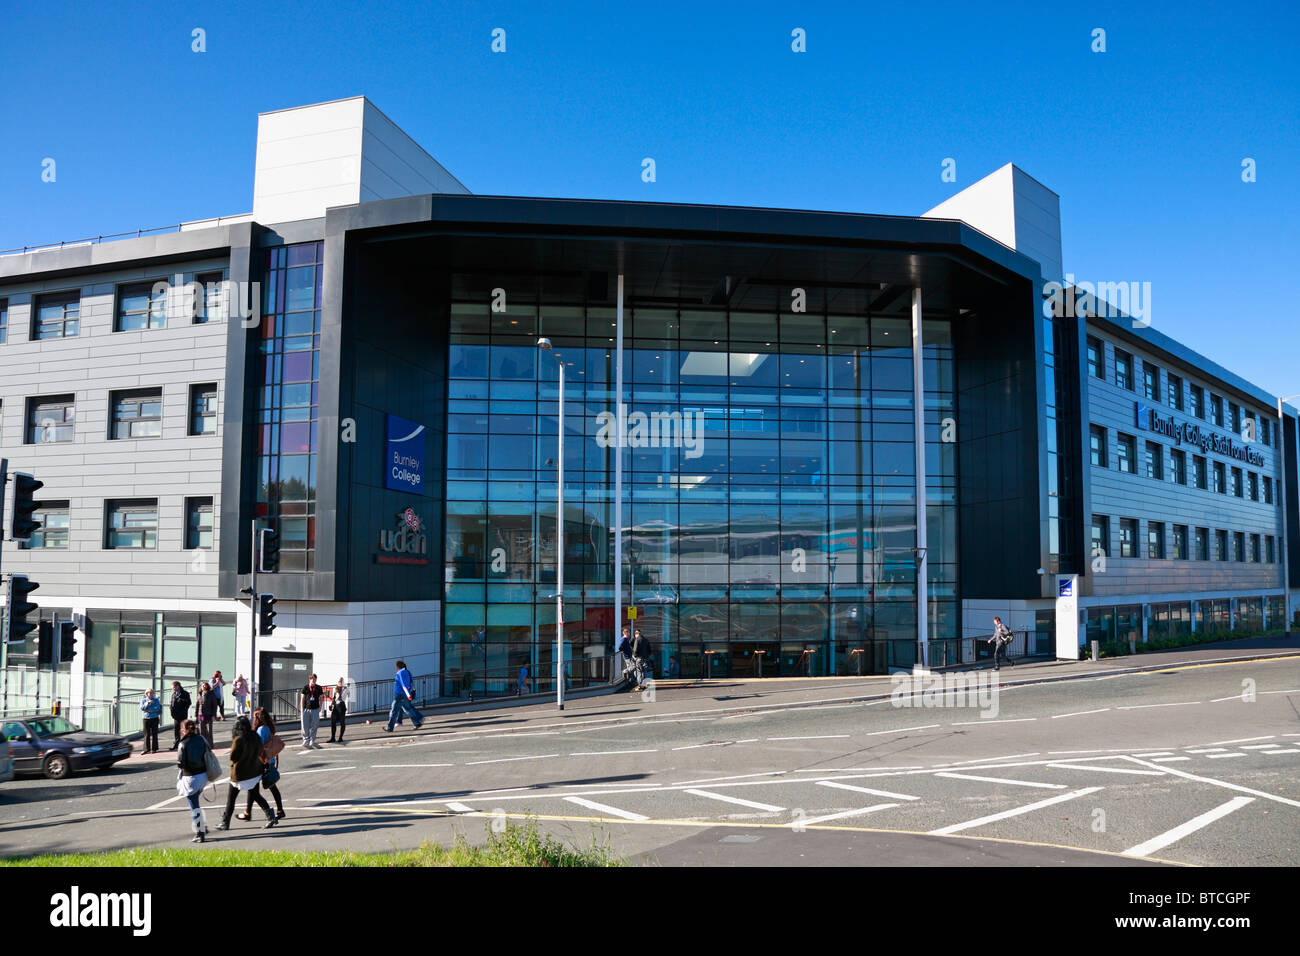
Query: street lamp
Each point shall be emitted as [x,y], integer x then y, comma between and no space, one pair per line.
[1281,484]
[545,346]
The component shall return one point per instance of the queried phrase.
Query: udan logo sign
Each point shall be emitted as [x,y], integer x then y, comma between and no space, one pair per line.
[404,544]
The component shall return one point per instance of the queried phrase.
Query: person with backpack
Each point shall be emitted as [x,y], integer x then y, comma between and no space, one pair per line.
[641,651]
[197,764]
[205,710]
[1001,639]
[264,727]
[180,711]
[151,708]
[403,699]
[240,689]
[247,761]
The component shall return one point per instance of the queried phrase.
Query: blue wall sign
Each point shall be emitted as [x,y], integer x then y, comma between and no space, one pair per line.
[404,455]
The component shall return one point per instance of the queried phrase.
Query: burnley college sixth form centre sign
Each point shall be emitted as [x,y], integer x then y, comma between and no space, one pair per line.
[1187,433]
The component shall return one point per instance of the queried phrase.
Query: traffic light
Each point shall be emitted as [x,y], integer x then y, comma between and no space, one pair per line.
[270,559]
[20,608]
[67,641]
[21,523]
[265,613]
[44,643]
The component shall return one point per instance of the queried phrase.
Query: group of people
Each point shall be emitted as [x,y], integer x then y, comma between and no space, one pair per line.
[254,764]
[636,651]
[312,699]
[209,707]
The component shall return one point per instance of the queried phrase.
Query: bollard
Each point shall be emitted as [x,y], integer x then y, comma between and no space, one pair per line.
[1096,649]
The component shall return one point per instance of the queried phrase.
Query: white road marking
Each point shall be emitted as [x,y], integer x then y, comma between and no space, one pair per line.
[843,813]
[1005,814]
[1103,750]
[1158,753]
[1225,785]
[1180,703]
[1219,700]
[1191,826]
[1286,751]
[1222,756]
[736,800]
[1013,720]
[738,776]
[902,730]
[460,808]
[1080,713]
[473,763]
[609,753]
[1019,783]
[1170,759]
[160,805]
[1260,746]
[1084,766]
[720,743]
[874,793]
[395,766]
[1241,740]
[989,759]
[1207,750]
[604,809]
[819,737]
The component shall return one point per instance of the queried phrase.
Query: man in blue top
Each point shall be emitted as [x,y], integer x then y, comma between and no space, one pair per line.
[403,696]
[151,708]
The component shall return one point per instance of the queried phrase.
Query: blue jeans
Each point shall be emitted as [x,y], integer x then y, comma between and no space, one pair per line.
[403,706]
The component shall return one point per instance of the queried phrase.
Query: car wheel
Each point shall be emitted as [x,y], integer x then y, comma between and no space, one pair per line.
[56,766]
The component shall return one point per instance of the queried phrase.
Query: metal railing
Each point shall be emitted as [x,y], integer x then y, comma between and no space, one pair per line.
[137,234]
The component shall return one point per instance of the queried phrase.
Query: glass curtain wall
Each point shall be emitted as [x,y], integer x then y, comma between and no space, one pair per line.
[769,489]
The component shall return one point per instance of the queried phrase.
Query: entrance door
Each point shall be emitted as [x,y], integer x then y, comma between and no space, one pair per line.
[282,676]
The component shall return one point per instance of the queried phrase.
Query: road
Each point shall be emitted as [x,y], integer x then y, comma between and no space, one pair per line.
[1196,764]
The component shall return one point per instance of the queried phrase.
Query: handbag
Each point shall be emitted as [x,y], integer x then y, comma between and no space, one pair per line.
[270,775]
[273,747]
[211,765]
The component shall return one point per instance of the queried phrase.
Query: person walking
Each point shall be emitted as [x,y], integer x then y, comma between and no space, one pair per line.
[1001,639]
[641,651]
[403,699]
[523,679]
[217,691]
[151,708]
[310,705]
[180,710]
[264,727]
[192,763]
[246,765]
[205,709]
[240,689]
[625,649]
[339,712]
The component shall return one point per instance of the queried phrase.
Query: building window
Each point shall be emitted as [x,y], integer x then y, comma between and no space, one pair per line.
[136,414]
[141,306]
[1155,539]
[1178,462]
[1150,381]
[1128,533]
[1239,546]
[1216,410]
[210,290]
[1202,544]
[1220,481]
[1254,549]
[1199,479]
[4,320]
[1123,369]
[1268,490]
[1126,454]
[1236,482]
[1096,359]
[1234,419]
[131,524]
[1100,540]
[1220,546]
[203,409]
[1252,486]
[1198,400]
[1174,386]
[1180,542]
[1272,556]
[56,316]
[53,533]
[1265,427]
[198,523]
[51,419]
[1155,461]
[1097,443]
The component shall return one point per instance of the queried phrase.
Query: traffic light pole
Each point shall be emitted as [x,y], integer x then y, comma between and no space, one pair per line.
[254,603]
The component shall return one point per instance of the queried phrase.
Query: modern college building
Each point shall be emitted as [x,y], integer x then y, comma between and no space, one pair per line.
[845,442]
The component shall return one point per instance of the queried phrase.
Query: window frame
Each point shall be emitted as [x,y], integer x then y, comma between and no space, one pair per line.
[195,506]
[1155,460]
[31,422]
[1097,446]
[1151,382]
[37,324]
[140,397]
[126,506]
[1156,541]
[1127,453]
[1095,354]
[1128,549]
[198,390]
[1124,360]
[155,310]
[43,510]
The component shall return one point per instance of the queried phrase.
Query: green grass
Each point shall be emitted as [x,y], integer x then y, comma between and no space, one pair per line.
[514,845]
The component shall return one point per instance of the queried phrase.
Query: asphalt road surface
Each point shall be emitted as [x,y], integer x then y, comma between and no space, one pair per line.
[1196,764]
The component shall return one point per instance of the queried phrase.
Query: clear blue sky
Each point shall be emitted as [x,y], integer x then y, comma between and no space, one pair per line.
[1144,142]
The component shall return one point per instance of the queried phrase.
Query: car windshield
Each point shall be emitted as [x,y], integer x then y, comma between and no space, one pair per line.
[52,726]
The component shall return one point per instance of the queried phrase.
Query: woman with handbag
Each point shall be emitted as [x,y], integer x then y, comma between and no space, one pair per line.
[205,709]
[196,761]
[264,726]
[339,710]
[247,761]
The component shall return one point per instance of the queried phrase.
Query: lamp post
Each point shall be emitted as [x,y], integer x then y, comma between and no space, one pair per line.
[1281,487]
[545,346]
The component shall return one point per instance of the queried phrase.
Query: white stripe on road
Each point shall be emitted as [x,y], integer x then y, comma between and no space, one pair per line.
[287,773]
[1240,740]
[988,760]
[395,766]
[1207,750]
[1260,746]
[1029,808]
[1191,826]
[508,759]
[1222,756]
[1019,783]
[1282,751]
[1080,713]
[1084,766]
[1158,753]
[736,800]
[901,730]
[970,723]
[821,737]
[720,743]
[1170,759]
[874,793]
[605,809]
[609,753]
[1180,703]
[460,808]
[159,806]
[843,813]
[1225,784]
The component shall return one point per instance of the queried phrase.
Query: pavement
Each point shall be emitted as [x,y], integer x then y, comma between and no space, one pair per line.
[1189,757]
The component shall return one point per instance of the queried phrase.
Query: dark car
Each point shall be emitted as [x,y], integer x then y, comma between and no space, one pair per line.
[56,747]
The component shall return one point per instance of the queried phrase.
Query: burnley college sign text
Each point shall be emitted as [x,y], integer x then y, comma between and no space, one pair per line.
[1186,433]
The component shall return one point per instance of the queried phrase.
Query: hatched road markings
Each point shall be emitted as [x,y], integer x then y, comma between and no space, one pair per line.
[605,809]
[875,793]
[1191,826]
[736,800]
[1005,814]
[1018,783]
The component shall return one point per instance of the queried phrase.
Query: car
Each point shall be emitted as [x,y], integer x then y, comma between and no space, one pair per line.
[56,747]
[6,760]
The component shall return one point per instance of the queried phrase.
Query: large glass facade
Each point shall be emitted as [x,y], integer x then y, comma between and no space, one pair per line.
[769,489]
